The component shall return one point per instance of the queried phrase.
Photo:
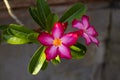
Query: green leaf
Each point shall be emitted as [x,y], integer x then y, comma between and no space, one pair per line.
[56,60]
[12,39]
[33,37]
[45,65]
[34,13]
[78,51]
[19,31]
[76,11]
[13,34]
[37,61]
[43,11]
[40,13]
[51,19]
[3,27]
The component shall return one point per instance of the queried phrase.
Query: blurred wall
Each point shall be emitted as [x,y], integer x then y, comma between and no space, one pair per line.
[100,63]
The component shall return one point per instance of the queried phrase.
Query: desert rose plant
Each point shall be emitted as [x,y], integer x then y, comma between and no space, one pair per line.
[55,44]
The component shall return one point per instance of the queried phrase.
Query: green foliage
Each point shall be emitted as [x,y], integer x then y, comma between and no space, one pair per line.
[33,37]
[13,39]
[43,10]
[45,18]
[76,11]
[34,13]
[45,65]
[3,27]
[56,60]
[78,51]
[37,61]
[17,34]
[51,19]
[19,31]
[40,13]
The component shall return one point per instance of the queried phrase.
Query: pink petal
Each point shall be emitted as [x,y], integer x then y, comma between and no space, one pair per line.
[51,52]
[57,30]
[92,31]
[45,39]
[64,52]
[77,24]
[85,21]
[69,39]
[87,38]
[94,40]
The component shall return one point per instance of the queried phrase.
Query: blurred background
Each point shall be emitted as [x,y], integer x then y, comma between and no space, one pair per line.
[100,63]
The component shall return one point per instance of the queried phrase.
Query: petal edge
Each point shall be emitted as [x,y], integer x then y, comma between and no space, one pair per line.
[77,24]
[69,39]
[64,52]
[45,39]
[51,52]
[57,30]
[85,21]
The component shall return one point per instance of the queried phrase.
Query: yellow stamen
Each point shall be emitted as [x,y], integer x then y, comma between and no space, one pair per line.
[57,42]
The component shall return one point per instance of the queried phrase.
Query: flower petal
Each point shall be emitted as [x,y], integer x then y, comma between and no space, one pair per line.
[45,39]
[51,52]
[57,30]
[64,52]
[87,38]
[85,21]
[91,31]
[94,40]
[77,24]
[69,39]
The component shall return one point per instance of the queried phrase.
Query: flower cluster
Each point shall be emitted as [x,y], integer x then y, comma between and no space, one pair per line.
[58,43]
[86,30]
[54,43]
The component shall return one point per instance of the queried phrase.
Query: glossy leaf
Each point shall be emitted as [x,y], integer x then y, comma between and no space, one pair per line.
[43,11]
[37,61]
[45,65]
[76,11]
[19,31]
[17,34]
[12,39]
[78,51]
[51,19]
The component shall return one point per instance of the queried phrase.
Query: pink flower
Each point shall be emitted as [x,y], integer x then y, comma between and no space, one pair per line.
[86,30]
[57,42]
